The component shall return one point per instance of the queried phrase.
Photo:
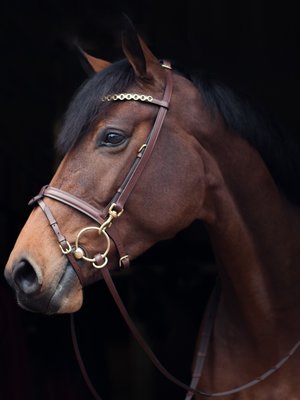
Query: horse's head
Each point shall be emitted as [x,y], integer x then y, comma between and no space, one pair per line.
[112,197]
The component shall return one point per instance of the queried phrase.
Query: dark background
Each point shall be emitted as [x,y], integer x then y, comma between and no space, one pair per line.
[254,47]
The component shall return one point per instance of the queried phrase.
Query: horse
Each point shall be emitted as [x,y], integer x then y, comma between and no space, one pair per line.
[147,150]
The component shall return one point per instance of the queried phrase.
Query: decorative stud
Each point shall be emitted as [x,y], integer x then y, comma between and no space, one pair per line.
[128,96]
[78,253]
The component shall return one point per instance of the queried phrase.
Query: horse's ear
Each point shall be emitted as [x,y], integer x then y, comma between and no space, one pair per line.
[92,64]
[137,52]
[96,63]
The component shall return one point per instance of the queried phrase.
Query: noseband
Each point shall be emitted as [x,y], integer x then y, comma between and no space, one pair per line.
[105,217]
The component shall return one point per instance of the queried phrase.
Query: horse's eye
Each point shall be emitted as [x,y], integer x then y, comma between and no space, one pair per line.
[113,139]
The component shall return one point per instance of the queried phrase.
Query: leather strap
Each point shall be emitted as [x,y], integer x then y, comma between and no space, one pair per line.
[61,239]
[209,320]
[83,370]
[83,207]
[70,200]
[138,337]
[205,335]
[146,151]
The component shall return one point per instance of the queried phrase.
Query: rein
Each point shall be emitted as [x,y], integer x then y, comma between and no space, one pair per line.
[105,218]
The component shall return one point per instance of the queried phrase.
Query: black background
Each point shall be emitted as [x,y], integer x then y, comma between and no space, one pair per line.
[254,47]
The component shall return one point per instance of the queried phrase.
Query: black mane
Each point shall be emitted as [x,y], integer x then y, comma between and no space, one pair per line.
[85,108]
[277,148]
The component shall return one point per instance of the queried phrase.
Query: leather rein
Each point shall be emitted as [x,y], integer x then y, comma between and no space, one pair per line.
[105,218]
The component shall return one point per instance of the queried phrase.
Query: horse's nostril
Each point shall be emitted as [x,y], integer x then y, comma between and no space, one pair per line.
[25,277]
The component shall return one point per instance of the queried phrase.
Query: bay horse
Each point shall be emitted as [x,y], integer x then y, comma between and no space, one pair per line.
[148,150]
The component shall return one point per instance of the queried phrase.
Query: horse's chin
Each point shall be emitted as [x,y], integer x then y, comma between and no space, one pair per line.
[65,298]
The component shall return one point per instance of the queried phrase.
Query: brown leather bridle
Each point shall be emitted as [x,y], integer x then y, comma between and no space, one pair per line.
[104,218]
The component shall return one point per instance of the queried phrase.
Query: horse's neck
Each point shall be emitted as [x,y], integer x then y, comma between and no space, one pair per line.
[255,236]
